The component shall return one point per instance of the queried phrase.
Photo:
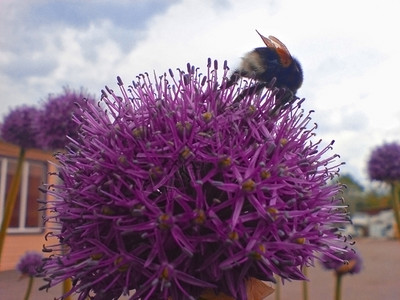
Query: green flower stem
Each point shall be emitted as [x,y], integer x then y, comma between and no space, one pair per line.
[396,205]
[29,289]
[305,284]
[11,199]
[278,288]
[338,288]
[67,286]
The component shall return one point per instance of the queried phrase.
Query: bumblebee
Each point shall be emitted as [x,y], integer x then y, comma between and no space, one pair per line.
[270,65]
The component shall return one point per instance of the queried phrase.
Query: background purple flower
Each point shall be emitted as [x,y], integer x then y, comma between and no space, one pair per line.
[174,188]
[384,162]
[55,122]
[352,262]
[30,264]
[18,127]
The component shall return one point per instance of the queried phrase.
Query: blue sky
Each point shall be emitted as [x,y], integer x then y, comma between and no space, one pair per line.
[348,50]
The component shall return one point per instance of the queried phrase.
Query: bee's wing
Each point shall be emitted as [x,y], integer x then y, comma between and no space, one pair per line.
[283,52]
[267,41]
[280,48]
[278,44]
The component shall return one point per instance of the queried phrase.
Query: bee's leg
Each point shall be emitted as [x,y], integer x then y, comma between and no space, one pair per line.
[249,91]
[233,79]
[284,98]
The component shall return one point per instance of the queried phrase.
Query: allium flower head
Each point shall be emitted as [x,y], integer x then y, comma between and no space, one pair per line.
[174,189]
[55,124]
[384,162]
[352,262]
[30,263]
[18,127]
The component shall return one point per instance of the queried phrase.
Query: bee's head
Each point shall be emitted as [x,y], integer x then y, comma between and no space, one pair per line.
[294,75]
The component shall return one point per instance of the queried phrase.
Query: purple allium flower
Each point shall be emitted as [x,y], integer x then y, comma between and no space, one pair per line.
[352,262]
[18,127]
[55,124]
[384,162]
[174,188]
[30,263]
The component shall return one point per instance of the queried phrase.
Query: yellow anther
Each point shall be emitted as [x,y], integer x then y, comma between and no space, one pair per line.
[249,185]
[118,262]
[200,216]
[108,211]
[207,116]
[96,256]
[265,174]
[301,240]
[233,236]
[186,153]
[225,162]
[283,141]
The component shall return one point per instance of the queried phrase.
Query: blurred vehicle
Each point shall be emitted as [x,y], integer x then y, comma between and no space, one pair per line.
[379,225]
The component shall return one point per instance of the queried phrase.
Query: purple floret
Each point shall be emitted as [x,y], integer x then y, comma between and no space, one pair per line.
[174,188]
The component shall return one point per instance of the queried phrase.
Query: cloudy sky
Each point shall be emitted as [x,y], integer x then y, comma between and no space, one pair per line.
[348,50]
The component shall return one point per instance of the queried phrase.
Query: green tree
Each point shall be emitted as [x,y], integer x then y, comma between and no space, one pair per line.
[353,193]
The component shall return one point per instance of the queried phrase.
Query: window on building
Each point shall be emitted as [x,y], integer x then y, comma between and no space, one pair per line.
[26,217]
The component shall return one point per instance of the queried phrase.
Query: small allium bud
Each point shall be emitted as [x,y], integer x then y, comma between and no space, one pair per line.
[384,162]
[351,264]
[30,264]
[19,127]
[55,123]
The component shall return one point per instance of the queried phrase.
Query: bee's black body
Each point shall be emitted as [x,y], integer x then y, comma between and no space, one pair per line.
[272,63]
[290,77]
